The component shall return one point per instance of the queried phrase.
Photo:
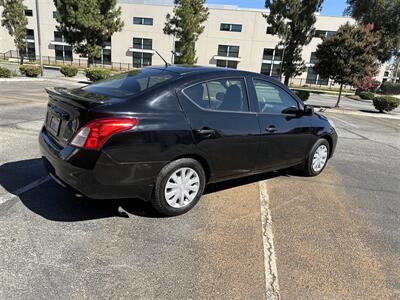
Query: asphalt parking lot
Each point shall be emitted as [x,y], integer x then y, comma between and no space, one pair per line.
[335,236]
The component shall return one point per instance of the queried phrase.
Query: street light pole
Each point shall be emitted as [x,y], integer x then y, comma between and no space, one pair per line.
[283,52]
[39,40]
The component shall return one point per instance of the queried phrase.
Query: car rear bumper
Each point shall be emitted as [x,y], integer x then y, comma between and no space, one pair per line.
[95,174]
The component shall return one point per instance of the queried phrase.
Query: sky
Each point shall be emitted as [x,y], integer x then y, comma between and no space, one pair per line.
[330,7]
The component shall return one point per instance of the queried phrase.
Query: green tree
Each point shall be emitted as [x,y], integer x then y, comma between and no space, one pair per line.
[88,24]
[384,18]
[348,56]
[293,21]
[15,21]
[186,26]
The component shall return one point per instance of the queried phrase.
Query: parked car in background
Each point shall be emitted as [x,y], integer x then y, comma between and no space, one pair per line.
[163,133]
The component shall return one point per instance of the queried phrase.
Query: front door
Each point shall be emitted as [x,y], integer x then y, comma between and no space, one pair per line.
[285,131]
[224,128]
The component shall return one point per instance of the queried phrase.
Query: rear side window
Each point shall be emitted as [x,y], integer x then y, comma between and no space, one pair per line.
[130,83]
[220,95]
[198,94]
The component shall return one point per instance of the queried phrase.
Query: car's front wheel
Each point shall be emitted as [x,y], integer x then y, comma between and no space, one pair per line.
[179,186]
[317,158]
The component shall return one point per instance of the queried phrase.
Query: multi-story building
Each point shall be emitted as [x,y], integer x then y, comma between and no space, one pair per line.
[234,37]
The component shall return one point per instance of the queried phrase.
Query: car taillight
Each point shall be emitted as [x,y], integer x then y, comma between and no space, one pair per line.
[95,133]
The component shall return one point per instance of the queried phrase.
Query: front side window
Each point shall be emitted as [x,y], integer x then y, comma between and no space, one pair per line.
[220,95]
[273,99]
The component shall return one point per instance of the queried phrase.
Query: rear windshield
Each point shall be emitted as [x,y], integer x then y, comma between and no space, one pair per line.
[130,83]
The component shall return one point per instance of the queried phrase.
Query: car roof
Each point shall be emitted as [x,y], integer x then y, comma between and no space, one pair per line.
[193,70]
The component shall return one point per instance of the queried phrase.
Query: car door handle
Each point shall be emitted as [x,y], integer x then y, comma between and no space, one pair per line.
[271,129]
[206,131]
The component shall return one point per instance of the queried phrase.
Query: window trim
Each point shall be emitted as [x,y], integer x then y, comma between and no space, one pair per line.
[299,104]
[216,79]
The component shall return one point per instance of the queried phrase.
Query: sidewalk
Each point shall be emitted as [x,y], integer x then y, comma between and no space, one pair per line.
[49,73]
[326,103]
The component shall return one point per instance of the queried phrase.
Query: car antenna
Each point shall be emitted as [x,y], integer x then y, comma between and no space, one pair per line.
[166,63]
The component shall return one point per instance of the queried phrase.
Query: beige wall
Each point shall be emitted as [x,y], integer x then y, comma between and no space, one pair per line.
[252,40]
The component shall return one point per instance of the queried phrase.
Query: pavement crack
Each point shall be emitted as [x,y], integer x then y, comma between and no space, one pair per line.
[271,274]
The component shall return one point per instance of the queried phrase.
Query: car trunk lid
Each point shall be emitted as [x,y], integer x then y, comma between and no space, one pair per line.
[67,111]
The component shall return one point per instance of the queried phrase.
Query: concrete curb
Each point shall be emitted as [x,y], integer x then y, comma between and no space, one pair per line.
[360,113]
[21,79]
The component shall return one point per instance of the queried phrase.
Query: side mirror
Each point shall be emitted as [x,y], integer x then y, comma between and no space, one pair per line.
[308,110]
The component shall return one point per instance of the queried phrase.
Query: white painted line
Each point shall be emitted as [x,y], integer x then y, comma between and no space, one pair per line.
[271,272]
[21,79]
[345,122]
[24,189]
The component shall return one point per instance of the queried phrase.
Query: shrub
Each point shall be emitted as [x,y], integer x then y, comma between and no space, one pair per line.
[69,71]
[30,70]
[303,95]
[390,88]
[366,95]
[5,73]
[96,74]
[386,103]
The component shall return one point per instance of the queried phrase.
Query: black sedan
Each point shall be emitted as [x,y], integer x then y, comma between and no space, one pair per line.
[162,133]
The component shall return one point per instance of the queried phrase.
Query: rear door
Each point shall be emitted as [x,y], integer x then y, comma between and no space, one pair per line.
[223,127]
[285,131]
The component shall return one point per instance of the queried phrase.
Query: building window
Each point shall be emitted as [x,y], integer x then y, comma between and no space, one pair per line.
[229,51]
[105,56]
[142,21]
[324,34]
[231,27]
[272,62]
[29,50]
[62,52]
[141,59]
[272,54]
[139,43]
[227,64]
[268,54]
[58,37]
[313,58]
[28,12]
[270,31]
[30,34]
[314,78]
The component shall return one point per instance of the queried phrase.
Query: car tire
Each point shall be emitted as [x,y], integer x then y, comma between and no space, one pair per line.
[181,179]
[319,153]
